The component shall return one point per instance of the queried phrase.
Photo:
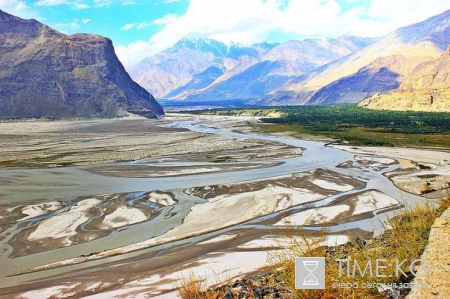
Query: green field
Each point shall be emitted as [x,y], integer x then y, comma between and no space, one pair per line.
[353,124]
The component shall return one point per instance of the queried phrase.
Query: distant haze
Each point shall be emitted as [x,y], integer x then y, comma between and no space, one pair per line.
[310,71]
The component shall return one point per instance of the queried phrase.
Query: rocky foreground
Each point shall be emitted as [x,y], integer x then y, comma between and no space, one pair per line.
[436,253]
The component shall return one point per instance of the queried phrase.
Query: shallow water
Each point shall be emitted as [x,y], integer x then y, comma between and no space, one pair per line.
[30,186]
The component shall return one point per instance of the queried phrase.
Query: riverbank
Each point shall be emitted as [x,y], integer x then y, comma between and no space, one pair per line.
[186,220]
[51,144]
[348,123]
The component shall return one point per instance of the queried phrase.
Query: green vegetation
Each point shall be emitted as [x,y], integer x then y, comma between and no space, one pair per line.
[269,112]
[353,124]
[340,117]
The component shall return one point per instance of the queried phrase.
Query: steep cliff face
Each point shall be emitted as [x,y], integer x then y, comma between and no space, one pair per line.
[426,89]
[45,73]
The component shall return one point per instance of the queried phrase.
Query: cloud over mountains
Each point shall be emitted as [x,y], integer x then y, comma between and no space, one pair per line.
[255,21]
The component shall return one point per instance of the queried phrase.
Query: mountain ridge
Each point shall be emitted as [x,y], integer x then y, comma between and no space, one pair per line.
[175,66]
[421,41]
[189,64]
[427,88]
[49,74]
[310,71]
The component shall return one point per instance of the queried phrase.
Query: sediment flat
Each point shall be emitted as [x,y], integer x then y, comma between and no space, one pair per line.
[146,201]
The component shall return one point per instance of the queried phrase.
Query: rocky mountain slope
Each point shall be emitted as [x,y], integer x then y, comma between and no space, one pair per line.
[194,72]
[174,67]
[427,88]
[278,66]
[310,71]
[383,75]
[380,67]
[236,60]
[45,73]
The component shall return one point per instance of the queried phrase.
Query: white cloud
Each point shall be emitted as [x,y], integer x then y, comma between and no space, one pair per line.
[70,26]
[252,21]
[404,12]
[143,25]
[128,2]
[133,53]
[136,25]
[12,4]
[80,6]
[76,4]
[167,19]
[129,26]
[17,8]
[52,2]
[241,21]
[102,3]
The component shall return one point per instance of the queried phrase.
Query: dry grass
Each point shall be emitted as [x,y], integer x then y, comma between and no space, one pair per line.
[405,239]
[193,286]
[190,286]
[444,204]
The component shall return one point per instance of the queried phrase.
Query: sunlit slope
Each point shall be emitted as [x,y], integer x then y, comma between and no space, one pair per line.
[415,44]
[426,89]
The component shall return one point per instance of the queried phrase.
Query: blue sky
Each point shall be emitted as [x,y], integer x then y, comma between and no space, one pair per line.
[141,28]
[102,17]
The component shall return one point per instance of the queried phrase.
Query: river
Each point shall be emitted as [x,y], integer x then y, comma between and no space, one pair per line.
[47,185]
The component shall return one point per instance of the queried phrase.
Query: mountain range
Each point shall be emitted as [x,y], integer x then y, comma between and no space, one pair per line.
[205,70]
[387,61]
[427,88]
[311,71]
[45,73]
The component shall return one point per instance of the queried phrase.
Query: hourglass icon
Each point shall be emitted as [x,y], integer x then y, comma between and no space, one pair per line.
[310,279]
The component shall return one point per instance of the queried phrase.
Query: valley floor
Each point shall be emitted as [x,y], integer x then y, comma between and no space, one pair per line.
[146,202]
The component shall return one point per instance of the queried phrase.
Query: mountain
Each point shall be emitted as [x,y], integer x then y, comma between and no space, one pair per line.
[176,66]
[309,54]
[197,82]
[311,71]
[427,88]
[236,60]
[45,73]
[385,63]
[250,72]
[383,75]
[257,80]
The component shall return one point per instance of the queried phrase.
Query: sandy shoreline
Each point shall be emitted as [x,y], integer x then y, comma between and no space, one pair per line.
[423,172]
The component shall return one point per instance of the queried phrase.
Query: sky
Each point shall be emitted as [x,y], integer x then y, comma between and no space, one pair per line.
[142,28]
